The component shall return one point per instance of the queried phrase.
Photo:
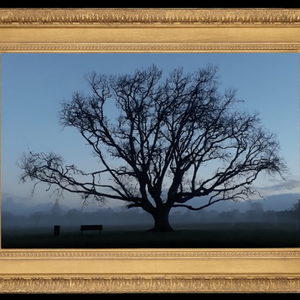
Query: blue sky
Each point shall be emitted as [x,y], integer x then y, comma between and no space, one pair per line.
[33,85]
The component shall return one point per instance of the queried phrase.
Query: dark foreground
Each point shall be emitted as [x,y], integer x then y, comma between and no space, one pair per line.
[212,236]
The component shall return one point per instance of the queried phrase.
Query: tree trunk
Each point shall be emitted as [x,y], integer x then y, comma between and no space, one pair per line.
[161,220]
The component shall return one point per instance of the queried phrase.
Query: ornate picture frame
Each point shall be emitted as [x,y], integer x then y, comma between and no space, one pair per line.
[149,270]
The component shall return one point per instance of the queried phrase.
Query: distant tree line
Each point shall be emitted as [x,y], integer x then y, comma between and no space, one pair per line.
[110,218]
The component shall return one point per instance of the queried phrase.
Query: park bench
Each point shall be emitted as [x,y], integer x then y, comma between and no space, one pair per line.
[91,227]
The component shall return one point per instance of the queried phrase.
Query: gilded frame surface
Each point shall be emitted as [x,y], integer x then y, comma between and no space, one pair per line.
[149,270]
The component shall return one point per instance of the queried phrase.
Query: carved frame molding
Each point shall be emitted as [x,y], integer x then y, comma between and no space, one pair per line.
[145,17]
[149,270]
[154,284]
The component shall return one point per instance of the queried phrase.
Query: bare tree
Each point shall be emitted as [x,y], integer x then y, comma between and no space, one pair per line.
[169,132]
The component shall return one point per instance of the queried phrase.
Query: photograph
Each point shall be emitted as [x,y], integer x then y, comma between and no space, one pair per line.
[149,150]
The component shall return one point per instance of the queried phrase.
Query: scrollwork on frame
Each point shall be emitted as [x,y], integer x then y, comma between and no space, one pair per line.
[23,16]
[179,284]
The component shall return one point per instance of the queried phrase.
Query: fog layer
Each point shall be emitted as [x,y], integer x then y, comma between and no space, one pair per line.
[50,214]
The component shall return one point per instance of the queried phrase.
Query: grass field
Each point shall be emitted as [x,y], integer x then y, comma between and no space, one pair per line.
[211,236]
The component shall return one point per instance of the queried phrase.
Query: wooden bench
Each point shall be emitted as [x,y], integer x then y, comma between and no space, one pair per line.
[91,227]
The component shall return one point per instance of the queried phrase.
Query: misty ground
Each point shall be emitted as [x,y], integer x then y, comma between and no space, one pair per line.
[253,228]
[220,235]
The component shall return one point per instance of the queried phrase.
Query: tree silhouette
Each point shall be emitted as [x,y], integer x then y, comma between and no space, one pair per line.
[169,133]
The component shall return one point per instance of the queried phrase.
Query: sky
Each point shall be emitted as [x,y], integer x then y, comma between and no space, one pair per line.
[34,85]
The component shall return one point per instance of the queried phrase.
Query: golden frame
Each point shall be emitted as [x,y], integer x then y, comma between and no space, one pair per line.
[149,270]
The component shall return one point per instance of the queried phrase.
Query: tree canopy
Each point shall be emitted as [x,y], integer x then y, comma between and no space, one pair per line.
[170,131]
